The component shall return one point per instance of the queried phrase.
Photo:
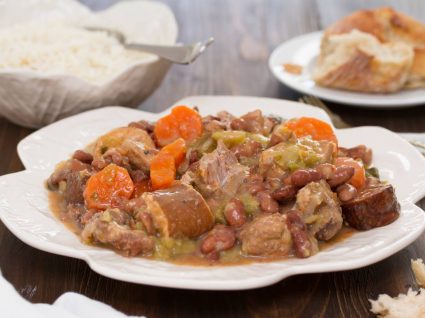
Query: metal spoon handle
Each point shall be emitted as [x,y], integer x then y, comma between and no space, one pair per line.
[184,54]
[173,53]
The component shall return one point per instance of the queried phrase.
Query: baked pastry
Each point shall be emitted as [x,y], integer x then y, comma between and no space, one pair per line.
[373,57]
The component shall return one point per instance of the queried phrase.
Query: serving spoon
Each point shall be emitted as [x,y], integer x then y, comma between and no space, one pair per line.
[179,54]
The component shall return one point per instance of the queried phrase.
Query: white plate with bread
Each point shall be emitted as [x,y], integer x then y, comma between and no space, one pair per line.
[371,58]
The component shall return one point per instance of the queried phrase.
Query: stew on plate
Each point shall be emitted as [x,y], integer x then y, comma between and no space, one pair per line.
[220,189]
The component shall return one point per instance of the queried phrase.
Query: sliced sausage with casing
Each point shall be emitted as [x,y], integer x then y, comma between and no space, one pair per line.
[373,207]
[179,211]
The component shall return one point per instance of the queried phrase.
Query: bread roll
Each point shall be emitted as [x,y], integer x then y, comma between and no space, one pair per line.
[388,27]
[357,61]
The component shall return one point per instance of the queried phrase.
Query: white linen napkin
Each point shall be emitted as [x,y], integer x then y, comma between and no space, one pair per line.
[69,305]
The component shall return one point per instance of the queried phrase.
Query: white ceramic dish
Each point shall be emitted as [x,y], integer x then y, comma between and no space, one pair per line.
[24,207]
[34,99]
[303,50]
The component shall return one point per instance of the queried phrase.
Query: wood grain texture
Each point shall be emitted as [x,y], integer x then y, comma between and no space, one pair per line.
[246,31]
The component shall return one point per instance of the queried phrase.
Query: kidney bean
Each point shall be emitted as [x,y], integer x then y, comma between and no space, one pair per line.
[303,176]
[325,170]
[234,213]
[284,193]
[359,152]
[302,245]
[138,175]
[142,124]
[237,124]
[83,156]
[267,203]
[346,192]
[220,238]
[341,175]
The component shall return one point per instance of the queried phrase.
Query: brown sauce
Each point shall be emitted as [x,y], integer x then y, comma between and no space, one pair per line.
[228,258]
[58,207]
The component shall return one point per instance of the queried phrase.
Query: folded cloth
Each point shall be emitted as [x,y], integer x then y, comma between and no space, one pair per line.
[69,305]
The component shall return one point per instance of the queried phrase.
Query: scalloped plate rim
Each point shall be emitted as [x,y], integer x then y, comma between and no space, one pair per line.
[181,281]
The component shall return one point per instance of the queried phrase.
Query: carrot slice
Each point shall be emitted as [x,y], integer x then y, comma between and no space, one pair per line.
[358,180]
[183,122]
[105,188]
[162,170]
[177,149]
[308,126]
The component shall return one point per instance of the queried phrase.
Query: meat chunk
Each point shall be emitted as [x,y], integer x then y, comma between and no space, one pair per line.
[179,211]
[320,210]
[139,155]
[130,142]
[253,122]
[75,183]
[218,175]
[69,179]
[266,235]
[373,207]
[112,228]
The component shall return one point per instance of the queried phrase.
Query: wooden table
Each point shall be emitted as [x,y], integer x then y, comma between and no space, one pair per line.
[246,31]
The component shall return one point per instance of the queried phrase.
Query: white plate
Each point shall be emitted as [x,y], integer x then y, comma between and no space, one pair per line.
[303,50]
[24,207]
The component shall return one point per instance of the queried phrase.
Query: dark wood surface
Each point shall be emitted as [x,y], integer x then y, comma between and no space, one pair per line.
[246,32]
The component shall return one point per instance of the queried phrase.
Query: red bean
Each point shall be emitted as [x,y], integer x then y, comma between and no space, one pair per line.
[304,176]
[302,245]
[341,175]
[138,175]
[142,124]
[83,156]
[284,193]
[220,238]
[237,124]
[359,152]
[234,213]
[346,192]
[267,203]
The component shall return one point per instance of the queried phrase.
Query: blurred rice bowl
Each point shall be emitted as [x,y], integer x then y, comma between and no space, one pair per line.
[50,67]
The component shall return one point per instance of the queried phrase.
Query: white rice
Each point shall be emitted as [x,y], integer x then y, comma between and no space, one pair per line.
[410,305]
[52,47]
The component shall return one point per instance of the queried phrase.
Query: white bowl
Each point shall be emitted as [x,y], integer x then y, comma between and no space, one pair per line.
[25,210]
[34,99]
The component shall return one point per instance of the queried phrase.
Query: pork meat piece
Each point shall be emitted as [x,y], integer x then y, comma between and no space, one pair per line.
[266,235]
[320,209]
[218,174]
[254,122]
[112,227]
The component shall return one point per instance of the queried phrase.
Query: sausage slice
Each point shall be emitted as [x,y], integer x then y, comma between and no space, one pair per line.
[373,207]
[179,211]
